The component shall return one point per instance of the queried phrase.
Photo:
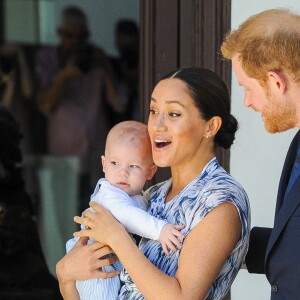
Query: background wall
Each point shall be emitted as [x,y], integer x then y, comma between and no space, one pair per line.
[257,157]
[33,21]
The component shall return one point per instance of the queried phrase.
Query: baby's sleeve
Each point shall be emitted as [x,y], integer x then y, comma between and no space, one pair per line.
[126,211]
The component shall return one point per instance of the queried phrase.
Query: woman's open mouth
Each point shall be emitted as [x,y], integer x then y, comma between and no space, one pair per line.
[161,143]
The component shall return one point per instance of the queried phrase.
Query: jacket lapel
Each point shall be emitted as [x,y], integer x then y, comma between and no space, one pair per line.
[286,204]
[288,207]
[286,171]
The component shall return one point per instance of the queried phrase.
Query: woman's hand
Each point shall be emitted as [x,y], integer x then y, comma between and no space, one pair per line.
[101,224]
[84,262]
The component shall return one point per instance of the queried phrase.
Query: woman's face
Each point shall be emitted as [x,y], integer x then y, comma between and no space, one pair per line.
[175,126]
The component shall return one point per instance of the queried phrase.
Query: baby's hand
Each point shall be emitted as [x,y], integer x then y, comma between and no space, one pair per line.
[171,238]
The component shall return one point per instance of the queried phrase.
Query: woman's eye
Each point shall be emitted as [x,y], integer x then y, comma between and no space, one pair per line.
[174,114]
[152,112]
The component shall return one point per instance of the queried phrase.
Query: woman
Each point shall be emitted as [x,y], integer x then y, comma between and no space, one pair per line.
[189,118]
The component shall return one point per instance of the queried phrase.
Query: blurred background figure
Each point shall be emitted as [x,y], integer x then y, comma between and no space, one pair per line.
[16,88]
[23,273]
[75,85]
[126,68]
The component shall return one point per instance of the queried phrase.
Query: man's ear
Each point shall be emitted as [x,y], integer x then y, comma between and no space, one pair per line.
[103,162]
[152,171]
[278,81]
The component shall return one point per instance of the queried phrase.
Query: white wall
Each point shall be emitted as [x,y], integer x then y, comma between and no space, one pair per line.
[257,157]
[103,16]
[20,21]
[22,17]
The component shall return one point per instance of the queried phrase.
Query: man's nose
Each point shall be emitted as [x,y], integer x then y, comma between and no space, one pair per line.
[247,101]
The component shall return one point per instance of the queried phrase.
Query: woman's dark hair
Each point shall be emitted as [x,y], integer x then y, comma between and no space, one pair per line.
[211,97]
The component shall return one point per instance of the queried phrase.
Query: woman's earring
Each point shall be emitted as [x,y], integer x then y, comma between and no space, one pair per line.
[207,136]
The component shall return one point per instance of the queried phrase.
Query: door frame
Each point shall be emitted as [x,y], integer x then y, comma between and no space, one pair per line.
[178,33]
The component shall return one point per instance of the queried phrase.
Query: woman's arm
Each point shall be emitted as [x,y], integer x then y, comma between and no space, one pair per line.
[81,263]
[204,252]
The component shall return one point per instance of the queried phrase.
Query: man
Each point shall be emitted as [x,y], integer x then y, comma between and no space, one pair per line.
[74,83]
[265,52]
[126,68]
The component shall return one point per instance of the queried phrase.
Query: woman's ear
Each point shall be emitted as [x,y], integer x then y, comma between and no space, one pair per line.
[103,162]
[152,171]
[277,81]
[213,127]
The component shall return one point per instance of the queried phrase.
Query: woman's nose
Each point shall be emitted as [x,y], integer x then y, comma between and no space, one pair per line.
[159,122]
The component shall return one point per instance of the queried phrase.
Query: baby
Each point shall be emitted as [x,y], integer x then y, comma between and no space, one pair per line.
[127,165]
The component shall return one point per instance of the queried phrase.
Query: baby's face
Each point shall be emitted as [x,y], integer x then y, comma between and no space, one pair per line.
[128,166]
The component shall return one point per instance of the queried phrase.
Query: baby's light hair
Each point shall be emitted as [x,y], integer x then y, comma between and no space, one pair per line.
[134,132]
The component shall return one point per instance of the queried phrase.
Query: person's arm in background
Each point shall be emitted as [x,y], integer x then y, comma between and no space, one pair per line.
[255,258]
[7,96]
[25,76]
[114,96]
[51,92]
[19,70]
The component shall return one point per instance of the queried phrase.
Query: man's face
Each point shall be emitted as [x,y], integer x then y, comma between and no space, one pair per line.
[277,112]
[71,34]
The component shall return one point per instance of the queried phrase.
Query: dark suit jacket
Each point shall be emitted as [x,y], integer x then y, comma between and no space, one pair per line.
[276,252]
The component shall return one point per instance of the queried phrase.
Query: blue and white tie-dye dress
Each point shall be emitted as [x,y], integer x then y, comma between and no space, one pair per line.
[211,188]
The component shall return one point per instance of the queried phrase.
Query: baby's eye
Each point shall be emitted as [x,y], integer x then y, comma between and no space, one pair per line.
[134,166]
[174,114]
[114,163]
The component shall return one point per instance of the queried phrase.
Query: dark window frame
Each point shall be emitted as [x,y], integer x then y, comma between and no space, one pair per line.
[177,33]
